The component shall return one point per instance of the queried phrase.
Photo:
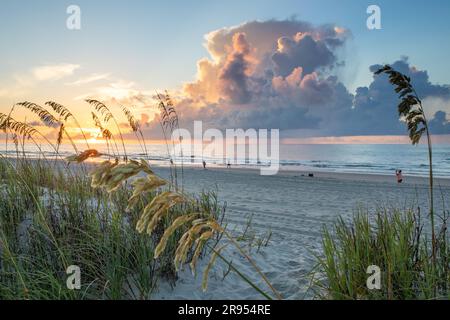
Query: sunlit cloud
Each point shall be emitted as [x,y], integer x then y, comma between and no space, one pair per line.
[117,90]
[89,79]
[54,72]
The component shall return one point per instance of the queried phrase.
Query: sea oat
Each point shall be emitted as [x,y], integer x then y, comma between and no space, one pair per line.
[18,127]
[177,223]
[90,153]
[142,186]
[43,114]
[200,243]
[156,209]
[209,266]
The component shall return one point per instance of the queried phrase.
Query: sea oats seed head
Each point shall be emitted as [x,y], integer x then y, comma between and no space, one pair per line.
[209,266]
[177,223]
[90,153]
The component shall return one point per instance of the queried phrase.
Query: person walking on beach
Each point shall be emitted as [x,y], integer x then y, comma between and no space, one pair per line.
[399,175]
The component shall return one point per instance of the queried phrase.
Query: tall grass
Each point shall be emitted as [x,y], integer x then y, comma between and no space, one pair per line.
[394,240]
[51,218]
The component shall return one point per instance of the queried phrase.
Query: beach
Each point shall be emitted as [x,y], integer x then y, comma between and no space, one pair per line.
[295,208]
[287,213]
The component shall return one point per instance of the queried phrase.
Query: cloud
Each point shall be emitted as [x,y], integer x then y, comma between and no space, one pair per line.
[144,121]
[89,79]
[439,124]
[234,73]
[303,51]
[280,74]
[54,72]
[21,84]
[375,106]
[270,74]
[120,91]
[38,123]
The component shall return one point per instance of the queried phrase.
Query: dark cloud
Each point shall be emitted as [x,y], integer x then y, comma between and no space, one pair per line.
[375,107]
[301,51]
[440,124]
[37,123]
[233,74]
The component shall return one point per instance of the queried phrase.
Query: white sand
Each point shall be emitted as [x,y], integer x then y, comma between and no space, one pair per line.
[295,208]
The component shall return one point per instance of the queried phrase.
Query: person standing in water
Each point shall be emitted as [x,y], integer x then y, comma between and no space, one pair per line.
[204,164]
[399,175]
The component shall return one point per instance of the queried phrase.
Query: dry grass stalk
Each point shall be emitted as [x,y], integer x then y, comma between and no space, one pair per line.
[143,186]
[65,114]
[107,115]
[211,262]
[177,223]
[43,114]
[157,209]
[106,134]
[50,120]
[91,153]
[111,175]
[134,124]
[20,128]
[136,128]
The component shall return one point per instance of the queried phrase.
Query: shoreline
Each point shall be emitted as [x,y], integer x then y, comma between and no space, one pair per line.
[285,172]
[322,174]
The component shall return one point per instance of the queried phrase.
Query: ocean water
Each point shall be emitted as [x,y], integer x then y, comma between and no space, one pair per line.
[371,158]
[352,158]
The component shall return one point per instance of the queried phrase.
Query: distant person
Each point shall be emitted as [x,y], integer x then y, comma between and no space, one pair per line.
[228,165]
[399,175]
[204,164]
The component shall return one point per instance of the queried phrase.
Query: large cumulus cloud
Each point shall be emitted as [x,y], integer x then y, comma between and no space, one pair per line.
[281,74]
[272,74]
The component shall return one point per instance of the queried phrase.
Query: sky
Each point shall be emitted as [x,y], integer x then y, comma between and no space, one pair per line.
[304,67]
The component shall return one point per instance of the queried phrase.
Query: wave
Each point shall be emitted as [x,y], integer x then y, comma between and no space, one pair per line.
[383,160]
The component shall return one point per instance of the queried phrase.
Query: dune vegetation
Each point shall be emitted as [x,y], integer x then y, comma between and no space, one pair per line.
[51,218]
[394,241]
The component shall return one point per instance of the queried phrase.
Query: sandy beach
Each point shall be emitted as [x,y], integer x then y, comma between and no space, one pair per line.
[295,207]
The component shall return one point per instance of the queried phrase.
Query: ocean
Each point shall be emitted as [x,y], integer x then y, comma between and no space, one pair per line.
[349,158]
